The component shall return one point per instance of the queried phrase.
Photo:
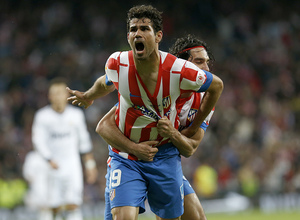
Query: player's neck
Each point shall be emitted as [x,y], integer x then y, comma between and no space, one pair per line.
[148,66]
[58,108]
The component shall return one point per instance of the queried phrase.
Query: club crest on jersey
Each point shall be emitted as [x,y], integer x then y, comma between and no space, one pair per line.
[192,114]
[201,78]
[112,194]
[166,101]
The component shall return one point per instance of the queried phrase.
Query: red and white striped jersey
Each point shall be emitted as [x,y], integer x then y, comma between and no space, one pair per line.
[138,111]
[188,108]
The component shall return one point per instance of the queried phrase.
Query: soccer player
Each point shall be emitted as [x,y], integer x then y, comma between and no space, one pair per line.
[192,49]
[60,135]
[149,82]
[36,173]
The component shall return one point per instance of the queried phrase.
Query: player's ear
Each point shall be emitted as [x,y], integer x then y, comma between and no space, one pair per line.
[158,36]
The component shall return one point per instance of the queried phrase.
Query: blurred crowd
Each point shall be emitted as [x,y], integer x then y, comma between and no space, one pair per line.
[252,145]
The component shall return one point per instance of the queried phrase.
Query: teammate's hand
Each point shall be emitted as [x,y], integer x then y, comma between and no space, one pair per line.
[78,98]
[146,150]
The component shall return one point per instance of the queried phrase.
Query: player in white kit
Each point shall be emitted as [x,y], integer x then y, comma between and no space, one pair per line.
[36,173]
[60,135]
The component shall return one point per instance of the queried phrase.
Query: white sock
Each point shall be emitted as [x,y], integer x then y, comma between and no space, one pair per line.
[58,217]
[73,214]
[44,214]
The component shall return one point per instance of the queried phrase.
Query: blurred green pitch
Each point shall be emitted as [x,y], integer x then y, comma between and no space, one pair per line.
[248,215]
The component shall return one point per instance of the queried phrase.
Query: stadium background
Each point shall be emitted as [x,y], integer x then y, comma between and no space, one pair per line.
[252,147]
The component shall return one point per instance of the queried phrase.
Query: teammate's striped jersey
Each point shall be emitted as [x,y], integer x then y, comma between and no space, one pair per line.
[188,108]
[138,110]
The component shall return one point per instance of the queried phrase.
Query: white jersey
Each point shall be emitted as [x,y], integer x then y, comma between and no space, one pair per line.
[61,137]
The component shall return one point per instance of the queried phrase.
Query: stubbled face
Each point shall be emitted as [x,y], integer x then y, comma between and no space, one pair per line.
[200,58]
[142,38]
[58,97]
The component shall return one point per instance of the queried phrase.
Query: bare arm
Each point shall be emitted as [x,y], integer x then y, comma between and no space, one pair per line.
[90,168]
[86,99]
[186,146]
[109,131]
[210,99]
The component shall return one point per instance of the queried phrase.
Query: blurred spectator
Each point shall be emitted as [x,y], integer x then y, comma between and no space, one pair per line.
[206,181]
[12,192]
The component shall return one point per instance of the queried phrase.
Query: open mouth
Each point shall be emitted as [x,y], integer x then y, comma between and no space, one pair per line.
[139,46]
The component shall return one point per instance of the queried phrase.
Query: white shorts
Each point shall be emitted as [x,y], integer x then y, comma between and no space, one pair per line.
[65,187]
[37,195]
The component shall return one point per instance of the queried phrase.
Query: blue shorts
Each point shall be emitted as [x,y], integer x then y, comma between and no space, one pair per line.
[131,182]
[107,211]
[188,189]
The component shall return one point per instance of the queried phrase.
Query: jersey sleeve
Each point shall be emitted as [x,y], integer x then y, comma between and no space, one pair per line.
[206,84]
[111,69]
[85,143]
[205,123]
[40,137]
[194,79]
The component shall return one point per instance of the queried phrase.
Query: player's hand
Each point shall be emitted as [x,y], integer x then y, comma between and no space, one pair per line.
[53,164]
[165,127]
[78,98]
[146,150]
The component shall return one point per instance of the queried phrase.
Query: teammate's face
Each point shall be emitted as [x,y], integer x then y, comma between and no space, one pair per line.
[58,97]
[200,58]
[142,38]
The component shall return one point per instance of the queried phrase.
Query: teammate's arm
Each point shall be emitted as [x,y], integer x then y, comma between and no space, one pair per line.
[209,101]
[186,146]
[86,99]
[109,131]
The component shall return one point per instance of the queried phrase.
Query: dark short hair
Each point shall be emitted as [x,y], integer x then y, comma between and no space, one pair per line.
[189,41]
[146,11]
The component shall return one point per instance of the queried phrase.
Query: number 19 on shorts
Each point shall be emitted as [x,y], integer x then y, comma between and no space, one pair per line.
[115,178]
